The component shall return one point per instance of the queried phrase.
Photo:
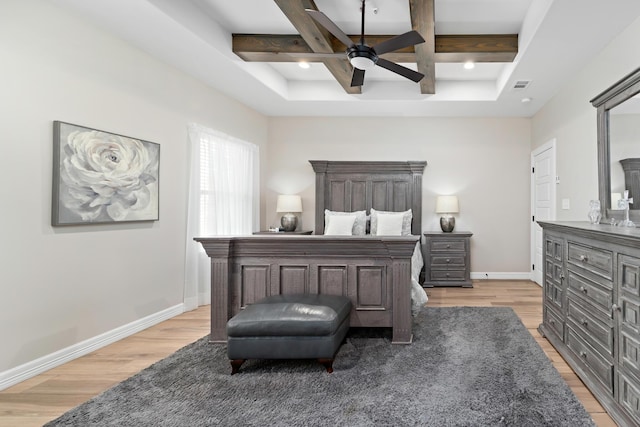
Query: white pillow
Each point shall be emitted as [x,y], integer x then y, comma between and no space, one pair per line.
[389,225]
[407,216]
[340,225]
[359,226]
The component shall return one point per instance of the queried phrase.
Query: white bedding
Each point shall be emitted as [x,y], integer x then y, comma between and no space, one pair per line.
[403,227]
[418,295]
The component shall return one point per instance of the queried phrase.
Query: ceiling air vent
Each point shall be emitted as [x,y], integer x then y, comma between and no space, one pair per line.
[521,84]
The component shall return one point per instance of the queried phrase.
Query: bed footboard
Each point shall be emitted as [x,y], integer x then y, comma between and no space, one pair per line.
[374,272]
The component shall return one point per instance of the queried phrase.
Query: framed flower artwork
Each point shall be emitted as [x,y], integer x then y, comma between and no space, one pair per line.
[101,177]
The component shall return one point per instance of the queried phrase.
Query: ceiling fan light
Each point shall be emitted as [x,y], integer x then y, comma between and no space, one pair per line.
[362,63]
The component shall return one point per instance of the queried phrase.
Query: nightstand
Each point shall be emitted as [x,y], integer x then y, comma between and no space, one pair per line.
[284,233]
[447,259]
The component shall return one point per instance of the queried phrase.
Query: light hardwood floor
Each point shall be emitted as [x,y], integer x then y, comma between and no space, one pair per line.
[46,396]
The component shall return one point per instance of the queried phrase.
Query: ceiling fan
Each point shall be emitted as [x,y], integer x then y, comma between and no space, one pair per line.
[363,57]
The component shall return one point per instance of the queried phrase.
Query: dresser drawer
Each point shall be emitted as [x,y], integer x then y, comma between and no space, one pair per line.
[602,369]
[629,396]
[553,271]
[554,322]
[553,248]
[630,315]
[595,260]
[629,274]
[591,328]
[447,275]
[591,292]
[458,260]
[554,294]
[453,245]
[630,353]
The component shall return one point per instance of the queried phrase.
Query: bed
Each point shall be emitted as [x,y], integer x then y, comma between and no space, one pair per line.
[378,272]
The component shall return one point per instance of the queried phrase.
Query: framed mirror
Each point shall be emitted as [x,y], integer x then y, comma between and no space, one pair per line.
[619,147]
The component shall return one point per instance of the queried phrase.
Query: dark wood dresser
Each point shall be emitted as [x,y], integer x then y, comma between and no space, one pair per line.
[591,309]
[447,259]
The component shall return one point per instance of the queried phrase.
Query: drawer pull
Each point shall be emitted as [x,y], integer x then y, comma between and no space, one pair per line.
[583,354]
[448,246]
[616,307]
[584,322]
[583,289]
[448,260]
[553,322]
[448,274]
[584,258]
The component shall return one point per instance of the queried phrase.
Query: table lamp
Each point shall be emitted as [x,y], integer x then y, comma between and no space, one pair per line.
[289,204]
[447,205]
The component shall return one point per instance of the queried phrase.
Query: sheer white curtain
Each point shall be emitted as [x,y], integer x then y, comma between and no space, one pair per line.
[223,200]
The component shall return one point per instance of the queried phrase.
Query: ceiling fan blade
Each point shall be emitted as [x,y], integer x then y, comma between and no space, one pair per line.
[357,78]
[399,42]
[399,69]
[327,23]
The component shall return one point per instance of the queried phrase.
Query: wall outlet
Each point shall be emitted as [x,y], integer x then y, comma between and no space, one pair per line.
[566,204]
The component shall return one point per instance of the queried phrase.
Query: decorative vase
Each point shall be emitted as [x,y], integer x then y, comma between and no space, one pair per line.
[447,223]
[289,222]
[594,212]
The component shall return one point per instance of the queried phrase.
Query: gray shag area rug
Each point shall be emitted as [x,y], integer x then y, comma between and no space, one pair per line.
[467,366]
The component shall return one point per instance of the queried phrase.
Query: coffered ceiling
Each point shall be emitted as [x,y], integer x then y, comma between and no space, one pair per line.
[523,50]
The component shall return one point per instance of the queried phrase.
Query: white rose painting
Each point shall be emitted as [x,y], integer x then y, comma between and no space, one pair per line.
[101,177]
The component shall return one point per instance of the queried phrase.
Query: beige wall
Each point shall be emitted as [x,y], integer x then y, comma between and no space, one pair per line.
[571,119]
[60,286]
[485,161]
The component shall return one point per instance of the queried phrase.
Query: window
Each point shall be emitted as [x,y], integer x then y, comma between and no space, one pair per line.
[223,200]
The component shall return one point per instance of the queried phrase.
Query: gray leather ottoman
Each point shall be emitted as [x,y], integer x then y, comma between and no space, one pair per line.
[303,326]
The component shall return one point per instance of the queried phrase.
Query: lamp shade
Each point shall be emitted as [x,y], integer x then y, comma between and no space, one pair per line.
[289,203]
[447,204]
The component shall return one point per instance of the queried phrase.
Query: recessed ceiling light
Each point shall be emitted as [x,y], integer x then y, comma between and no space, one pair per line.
[469,65]
[526,100]
[304,65]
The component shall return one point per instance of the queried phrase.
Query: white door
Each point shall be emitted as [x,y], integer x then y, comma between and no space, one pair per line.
[543,196]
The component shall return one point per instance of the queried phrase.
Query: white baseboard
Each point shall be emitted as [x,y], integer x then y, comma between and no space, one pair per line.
[204,298]
[501,276]
[30,369]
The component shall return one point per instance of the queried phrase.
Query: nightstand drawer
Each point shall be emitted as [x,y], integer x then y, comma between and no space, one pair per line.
[445,275]
[448,260]
[448,245]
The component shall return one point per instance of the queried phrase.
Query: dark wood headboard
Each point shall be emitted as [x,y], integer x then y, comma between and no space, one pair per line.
[349,186]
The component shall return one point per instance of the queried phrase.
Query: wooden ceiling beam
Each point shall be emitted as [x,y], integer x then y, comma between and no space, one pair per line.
[423,21]
[316,44]
[318,40]
[448,48]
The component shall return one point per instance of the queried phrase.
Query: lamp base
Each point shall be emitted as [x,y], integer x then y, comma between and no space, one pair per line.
[289,222]
[447,223]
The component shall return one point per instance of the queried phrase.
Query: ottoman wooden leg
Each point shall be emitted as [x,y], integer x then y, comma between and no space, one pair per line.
[235,365]
[327,363]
